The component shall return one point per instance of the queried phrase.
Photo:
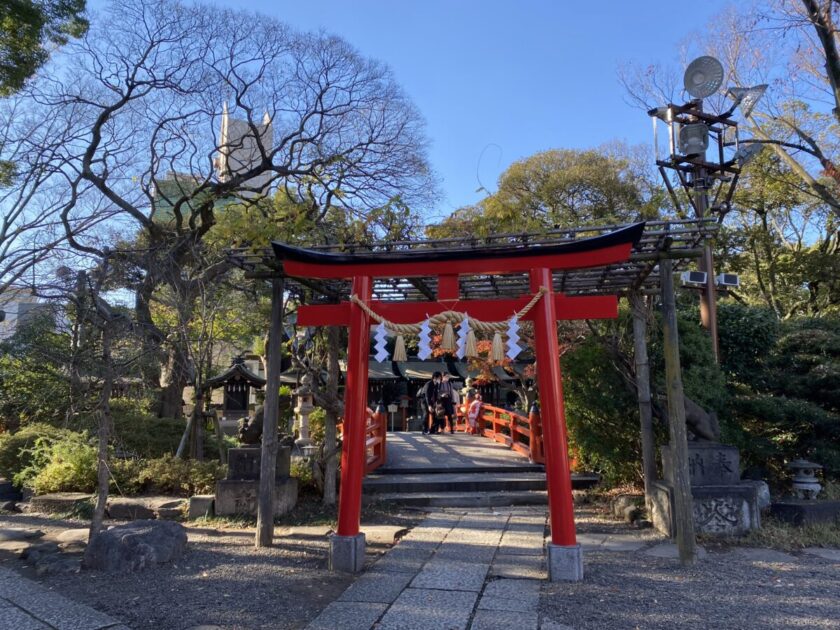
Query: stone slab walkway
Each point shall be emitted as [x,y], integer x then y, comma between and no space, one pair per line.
[479,570]
[25,605]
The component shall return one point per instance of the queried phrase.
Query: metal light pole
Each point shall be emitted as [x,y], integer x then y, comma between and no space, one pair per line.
[691,131]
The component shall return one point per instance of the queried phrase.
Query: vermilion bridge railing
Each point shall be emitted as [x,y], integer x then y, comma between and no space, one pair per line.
[521,433]
[375,429]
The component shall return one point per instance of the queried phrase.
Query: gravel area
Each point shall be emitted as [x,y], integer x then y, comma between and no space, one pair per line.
[225,583]
[729,589]
[222,580]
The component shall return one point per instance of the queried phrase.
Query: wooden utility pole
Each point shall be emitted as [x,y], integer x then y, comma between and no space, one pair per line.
[268,456]
[643,392]
[683,516]
[708,297]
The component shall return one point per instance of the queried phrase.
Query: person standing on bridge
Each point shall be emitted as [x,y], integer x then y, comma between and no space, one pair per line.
[446,396]
[428,397]
[473,413]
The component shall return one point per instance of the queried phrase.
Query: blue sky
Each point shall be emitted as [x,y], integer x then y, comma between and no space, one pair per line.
[500,80]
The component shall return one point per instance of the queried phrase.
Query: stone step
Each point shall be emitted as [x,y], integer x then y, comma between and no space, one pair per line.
[524,467]
[461,499]
[454,482]
[430,482]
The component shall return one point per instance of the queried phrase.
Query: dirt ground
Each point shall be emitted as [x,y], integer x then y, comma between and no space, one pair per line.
[221,581]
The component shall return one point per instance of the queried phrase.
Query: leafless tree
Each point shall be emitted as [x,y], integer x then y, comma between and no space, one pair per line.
[30,228]
[135,110]
[792,45]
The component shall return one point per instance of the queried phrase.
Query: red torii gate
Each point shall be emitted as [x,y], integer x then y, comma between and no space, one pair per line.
[347,546]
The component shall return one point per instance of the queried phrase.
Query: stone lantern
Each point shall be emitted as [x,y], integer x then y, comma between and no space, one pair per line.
[302,410]
[805,483]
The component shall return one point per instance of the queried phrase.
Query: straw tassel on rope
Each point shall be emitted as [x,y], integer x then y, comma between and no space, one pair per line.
[399,350]
[448,341]
[471,349]
[497,354]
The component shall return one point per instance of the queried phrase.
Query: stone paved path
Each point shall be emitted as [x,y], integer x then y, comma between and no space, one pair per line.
[480,569]
[476,570]
[25,605]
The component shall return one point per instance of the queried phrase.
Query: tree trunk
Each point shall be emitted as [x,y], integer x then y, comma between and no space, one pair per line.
[268,457]
[151,339]
[331,418]
[185,438]
[171,402]
[104,413]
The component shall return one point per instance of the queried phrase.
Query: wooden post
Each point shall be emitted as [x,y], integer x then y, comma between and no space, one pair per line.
[536,434]
[643,392]
[268,456]
[683,502]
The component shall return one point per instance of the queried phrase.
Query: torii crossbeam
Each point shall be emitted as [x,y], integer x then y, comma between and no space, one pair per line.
[347,547]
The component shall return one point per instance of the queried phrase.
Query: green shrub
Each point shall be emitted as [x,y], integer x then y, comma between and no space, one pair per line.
[302,471]
[34,387]
[317,422]
[125,476]
[67,464]
[703,380]
[170,475]
[16,449]
[601,406]
[47,459]
[601,414]
[790,405]
[139,433]
[745,334]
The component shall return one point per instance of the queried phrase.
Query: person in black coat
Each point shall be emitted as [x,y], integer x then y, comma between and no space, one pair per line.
[446,399]
[428,397]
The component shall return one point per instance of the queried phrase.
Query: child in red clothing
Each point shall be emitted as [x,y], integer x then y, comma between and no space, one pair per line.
[473,414]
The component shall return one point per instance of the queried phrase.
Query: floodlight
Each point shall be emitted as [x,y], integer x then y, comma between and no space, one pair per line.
[746,98]
[747,152]
[662,113]
[694,139]
[728,280]
[703,77]
[693,278]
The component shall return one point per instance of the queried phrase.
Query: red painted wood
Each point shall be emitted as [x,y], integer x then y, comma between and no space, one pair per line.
[557,470]
[390,269]
[376,428]
[585,307]
[448,288]
[353,456]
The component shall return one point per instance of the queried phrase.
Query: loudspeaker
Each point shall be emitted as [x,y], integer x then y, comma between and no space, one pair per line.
[703,77]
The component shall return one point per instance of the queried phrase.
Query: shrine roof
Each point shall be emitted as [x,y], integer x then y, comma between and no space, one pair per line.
[680,241]
[237,372]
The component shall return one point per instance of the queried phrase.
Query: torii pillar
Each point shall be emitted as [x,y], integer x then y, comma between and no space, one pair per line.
[565,560]
[347,546]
